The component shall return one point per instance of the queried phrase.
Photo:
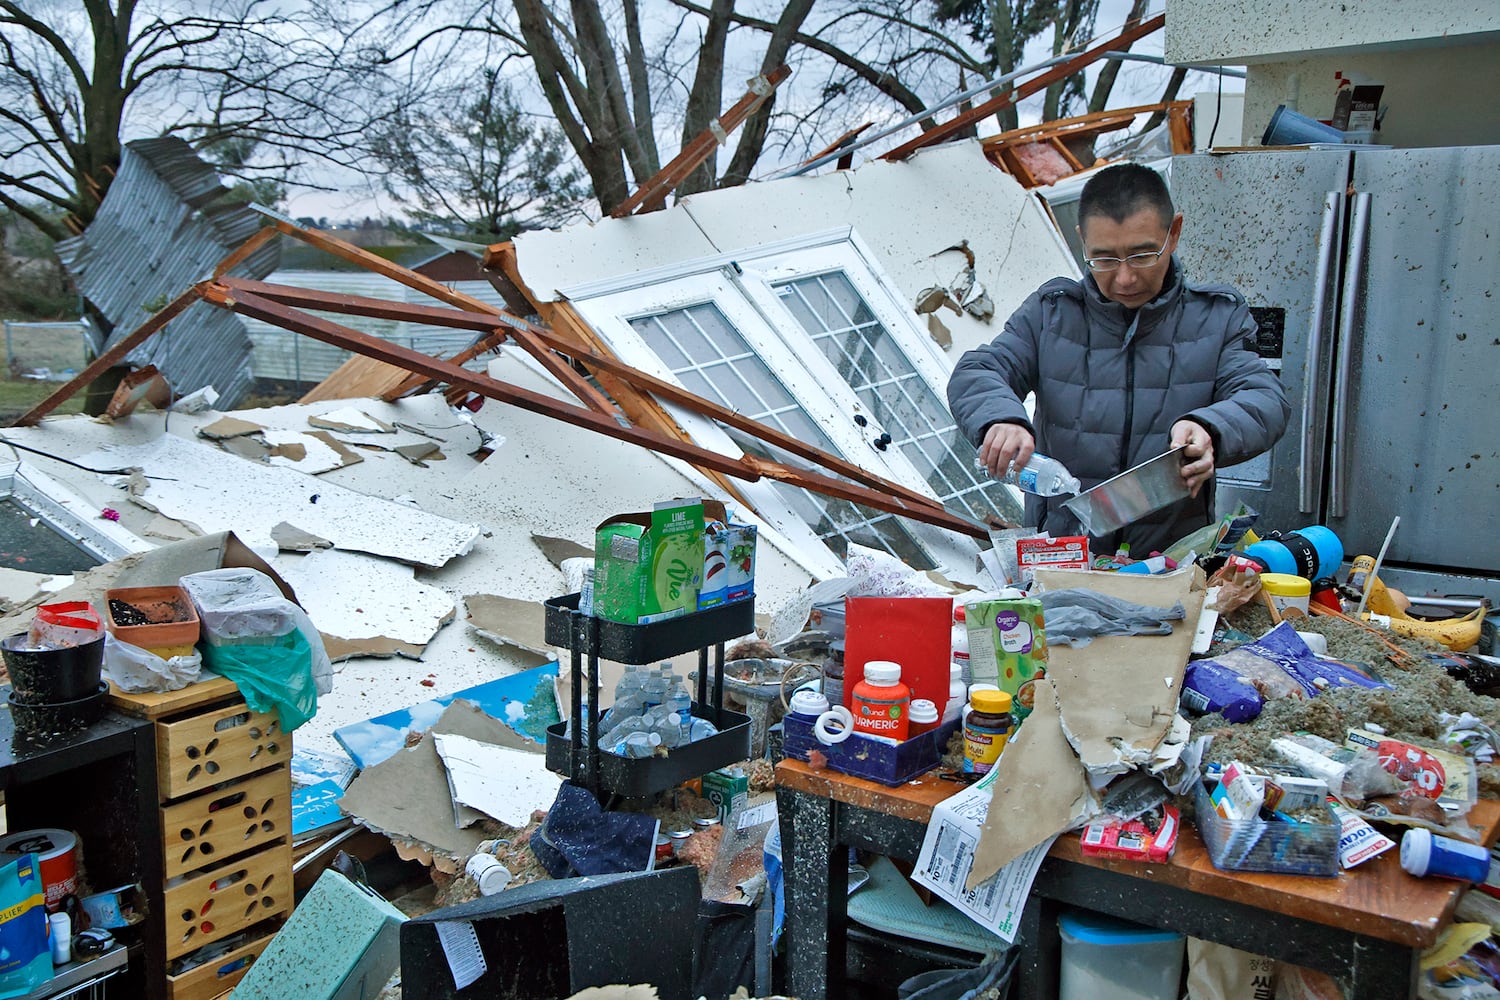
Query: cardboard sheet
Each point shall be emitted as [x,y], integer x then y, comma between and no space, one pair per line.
[1118,695]
[406,795]
[1040,791]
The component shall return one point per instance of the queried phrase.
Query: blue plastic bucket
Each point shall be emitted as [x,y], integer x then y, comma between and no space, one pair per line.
[1288,128]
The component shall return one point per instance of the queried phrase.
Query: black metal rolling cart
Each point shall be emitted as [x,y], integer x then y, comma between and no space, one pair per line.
[574,751]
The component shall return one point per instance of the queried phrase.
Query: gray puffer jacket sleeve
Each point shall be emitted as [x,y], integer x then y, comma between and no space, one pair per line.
[1251,409]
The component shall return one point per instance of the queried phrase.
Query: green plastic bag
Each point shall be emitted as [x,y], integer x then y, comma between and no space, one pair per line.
[273,672]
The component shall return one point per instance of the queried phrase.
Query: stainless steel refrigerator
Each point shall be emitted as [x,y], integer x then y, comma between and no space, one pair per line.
[1375,277]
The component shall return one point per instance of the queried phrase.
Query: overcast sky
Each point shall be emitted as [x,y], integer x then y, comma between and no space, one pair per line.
[1138,83]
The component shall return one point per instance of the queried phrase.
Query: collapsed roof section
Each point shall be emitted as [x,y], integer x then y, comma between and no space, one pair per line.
[163,218]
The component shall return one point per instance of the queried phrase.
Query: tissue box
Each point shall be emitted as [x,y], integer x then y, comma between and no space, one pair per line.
[648,566]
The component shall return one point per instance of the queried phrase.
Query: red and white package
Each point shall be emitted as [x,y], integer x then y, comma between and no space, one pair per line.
[1134,840]
[1067,552]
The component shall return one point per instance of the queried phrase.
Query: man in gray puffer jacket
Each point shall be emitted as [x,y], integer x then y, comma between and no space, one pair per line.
[1125,364]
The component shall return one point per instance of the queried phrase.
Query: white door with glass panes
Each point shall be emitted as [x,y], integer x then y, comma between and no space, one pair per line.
[809,339]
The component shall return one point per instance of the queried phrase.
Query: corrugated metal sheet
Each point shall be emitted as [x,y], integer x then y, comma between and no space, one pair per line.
[283,355]
[162,227]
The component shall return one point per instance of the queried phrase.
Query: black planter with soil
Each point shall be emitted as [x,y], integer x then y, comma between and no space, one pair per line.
[52,676]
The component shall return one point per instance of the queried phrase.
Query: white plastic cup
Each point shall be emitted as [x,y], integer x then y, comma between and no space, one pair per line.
[489,873]
[60,929]
[1424,853]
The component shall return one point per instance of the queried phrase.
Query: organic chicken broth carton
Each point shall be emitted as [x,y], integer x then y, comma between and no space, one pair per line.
[648,566]
[1008,647]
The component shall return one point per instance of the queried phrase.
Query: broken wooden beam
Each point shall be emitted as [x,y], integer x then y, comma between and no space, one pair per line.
[652,194]
[114,354]
[1062,71]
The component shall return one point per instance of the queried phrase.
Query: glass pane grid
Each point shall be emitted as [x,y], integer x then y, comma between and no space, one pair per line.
[701,340]
[915,416]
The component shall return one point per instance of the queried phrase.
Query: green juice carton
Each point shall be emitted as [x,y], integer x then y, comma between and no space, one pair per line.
[1008,647]
[648,566]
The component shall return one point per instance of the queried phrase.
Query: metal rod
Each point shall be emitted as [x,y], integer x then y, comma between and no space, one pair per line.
[1354,269]
[1309,470]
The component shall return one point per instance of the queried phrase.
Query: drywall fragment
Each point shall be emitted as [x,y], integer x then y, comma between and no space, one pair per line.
[504,784]
[507,621]
[558,549]
[420,454]
[290,538]
[229,427]
[366,602]
[351,420]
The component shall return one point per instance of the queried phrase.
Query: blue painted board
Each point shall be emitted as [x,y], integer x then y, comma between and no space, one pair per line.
[523,701]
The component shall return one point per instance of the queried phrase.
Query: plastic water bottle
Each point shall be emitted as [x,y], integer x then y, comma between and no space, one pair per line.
[680,702]
[1041,475]
[630,696]
[654,687]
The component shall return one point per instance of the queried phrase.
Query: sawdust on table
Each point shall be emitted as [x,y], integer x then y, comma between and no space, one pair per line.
[1408,711]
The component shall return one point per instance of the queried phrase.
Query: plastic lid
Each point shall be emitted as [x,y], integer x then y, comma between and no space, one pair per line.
[956,672]
[923,710]
[991,702]
[1416,850]
[982,686]
[882,673]
[1096,928]
[1286,585]
[806,702]
[959,614]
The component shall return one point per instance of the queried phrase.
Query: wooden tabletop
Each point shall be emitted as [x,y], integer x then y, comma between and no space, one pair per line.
[1377,898]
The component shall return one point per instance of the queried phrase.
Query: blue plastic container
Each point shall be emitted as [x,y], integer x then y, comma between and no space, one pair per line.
[1313,552]
[1103,956]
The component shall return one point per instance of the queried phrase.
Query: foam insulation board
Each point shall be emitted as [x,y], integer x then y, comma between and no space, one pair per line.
[1118,695]
[354,598]
[218,492]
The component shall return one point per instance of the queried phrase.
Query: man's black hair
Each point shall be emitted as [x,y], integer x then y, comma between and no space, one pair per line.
[1121,191]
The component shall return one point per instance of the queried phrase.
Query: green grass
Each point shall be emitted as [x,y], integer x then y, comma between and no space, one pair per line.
[19,396]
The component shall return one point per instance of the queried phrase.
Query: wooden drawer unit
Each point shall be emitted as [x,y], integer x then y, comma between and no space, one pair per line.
[214,746]
[226,900]
[217,976]
[227,821]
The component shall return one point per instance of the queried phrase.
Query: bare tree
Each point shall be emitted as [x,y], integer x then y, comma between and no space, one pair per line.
[74,77]
[474,163]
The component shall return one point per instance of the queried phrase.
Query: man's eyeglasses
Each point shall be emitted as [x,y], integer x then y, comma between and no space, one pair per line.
[1139,261]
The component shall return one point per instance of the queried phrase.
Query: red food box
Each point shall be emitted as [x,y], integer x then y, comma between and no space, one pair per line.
[1067,552]
[1133,840]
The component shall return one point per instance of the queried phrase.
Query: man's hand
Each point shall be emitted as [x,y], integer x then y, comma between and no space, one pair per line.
[1005,445]
[1198,453]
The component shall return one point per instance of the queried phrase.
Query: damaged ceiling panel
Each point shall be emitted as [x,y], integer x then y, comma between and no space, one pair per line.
[215,491]
[366,606]
[160,228]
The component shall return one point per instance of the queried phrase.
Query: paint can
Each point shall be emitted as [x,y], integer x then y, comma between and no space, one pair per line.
[57,852]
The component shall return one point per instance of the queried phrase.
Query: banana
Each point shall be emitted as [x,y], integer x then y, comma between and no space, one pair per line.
[1455,633]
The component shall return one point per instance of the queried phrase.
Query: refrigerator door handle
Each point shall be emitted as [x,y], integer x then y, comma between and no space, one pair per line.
[1309,468]
[1354,269]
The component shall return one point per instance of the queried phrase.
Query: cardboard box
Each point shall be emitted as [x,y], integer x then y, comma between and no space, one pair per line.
[728,560]
[1356,105]
[728,789]
[648,566]
[1008,647]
